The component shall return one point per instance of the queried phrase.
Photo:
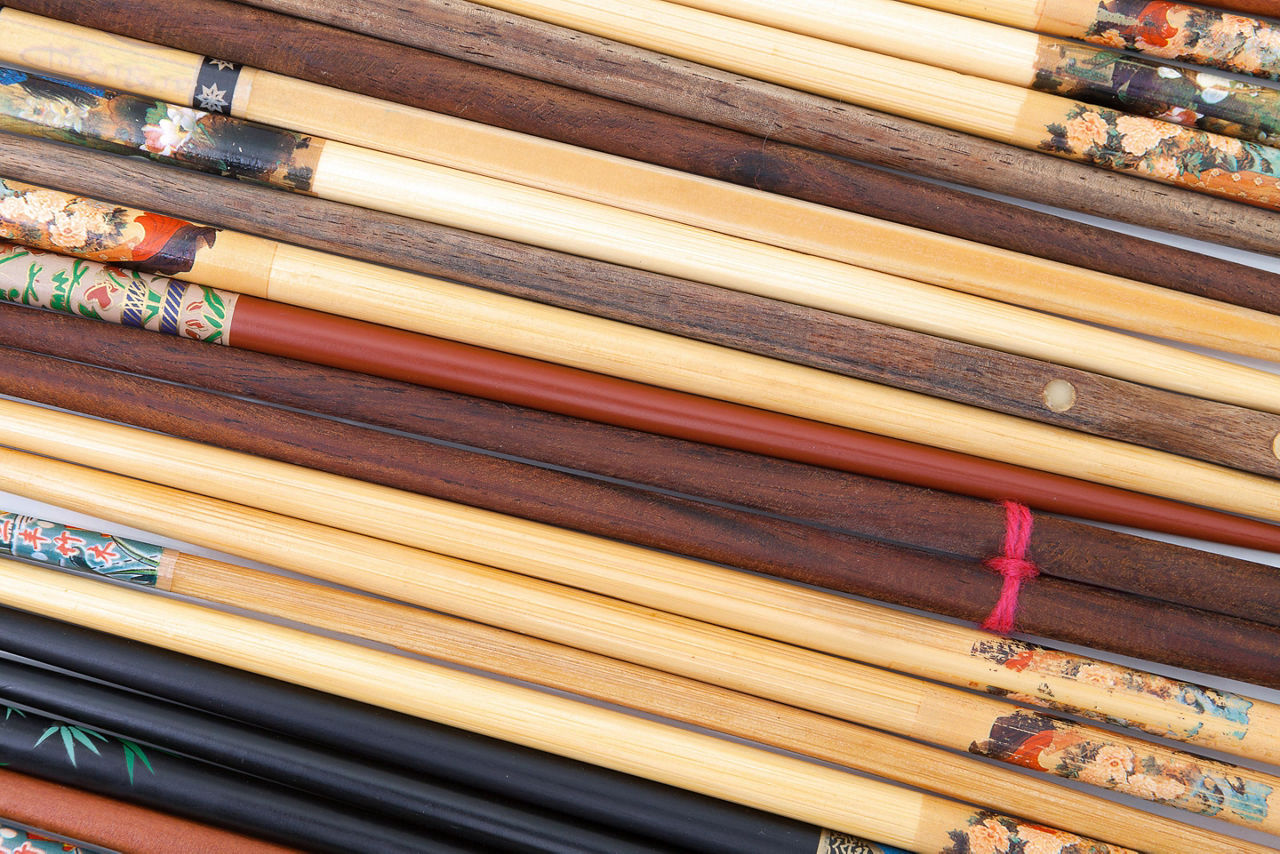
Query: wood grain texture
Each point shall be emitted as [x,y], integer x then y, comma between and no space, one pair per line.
[373,179]
[612,70]
[384,69]
[751,541]
[940,522]
[1184,425]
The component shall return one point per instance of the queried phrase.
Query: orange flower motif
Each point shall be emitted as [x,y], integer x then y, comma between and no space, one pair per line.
[1139,135]
[1112,765]
[990,837]
[1043,841]
[1110,38]
[1164,168]
[1086,130]
[69,231]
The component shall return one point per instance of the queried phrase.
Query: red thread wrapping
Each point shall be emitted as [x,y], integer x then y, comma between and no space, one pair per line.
[1012,565]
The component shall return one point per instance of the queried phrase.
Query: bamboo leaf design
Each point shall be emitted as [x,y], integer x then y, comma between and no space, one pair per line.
[70,735]
[131,752]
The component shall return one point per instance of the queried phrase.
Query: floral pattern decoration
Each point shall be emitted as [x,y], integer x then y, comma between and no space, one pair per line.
[74,225]
[1229,711]
[21,840]
[1181,96]
[1188,34]
[1182,780]
[129,298]
[67,111]
[989,833]
[1169,153]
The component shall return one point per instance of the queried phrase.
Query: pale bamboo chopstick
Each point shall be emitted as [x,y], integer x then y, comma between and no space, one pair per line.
[701,591]
[695,761]
[565,668]
[1180,31]
[1020,58]
[177,76]
[1037,120]
[290,274]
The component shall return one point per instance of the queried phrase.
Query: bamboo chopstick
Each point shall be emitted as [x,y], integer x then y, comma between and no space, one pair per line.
[911,644]
[293,275]
[1139,146]
[941,522]
[1009,55]
[1169,30]
[605,679]
[431,81]
[471,32]
[178,77]
[777,547]
[646,748]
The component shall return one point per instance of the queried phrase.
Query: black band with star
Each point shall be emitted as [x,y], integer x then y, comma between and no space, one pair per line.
[215,86]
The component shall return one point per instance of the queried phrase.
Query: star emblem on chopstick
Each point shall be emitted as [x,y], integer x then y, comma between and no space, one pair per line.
[223,65]
[212,99]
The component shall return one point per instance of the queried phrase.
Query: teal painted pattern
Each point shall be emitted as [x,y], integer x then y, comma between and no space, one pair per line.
[15,839]
[36,540]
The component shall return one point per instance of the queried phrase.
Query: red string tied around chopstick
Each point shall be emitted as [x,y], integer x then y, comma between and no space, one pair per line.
[1012,565]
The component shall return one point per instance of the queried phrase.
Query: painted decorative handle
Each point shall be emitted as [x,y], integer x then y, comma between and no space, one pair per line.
[1065,749]
[125,297]
[123,559]
[74,225]
[1187,34]
[101,118]
[1224,714]
[15,839]
[1182,96]
[1158,150]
